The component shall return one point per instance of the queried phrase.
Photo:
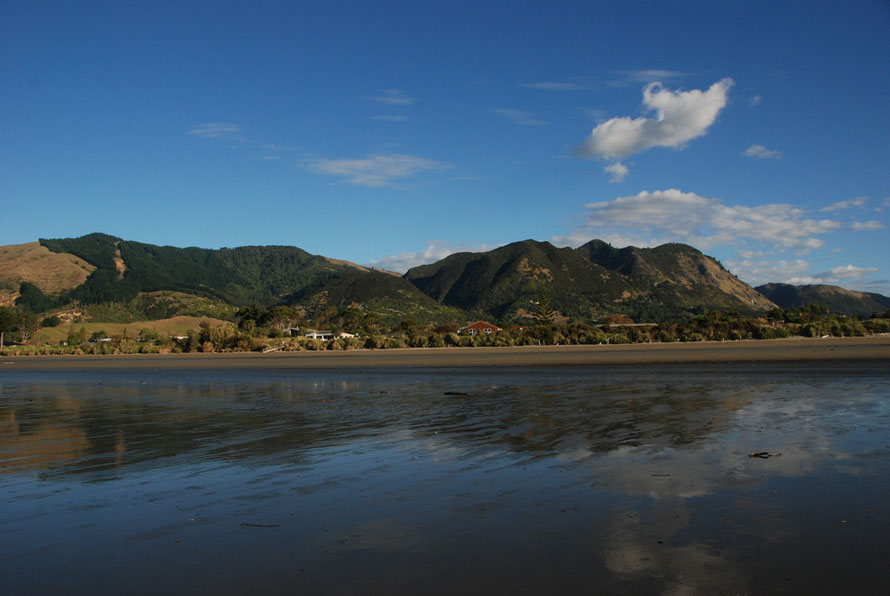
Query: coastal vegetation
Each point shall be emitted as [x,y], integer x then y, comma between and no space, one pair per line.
[102,294]
[258,329]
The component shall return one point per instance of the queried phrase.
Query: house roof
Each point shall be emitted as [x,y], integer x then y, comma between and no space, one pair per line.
[482,325]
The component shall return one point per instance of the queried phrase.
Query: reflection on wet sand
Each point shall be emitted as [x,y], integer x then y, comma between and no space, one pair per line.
[613,479]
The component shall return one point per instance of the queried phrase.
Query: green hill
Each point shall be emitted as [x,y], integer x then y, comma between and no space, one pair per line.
[589,282]
[506,281]
[264,275]
[674,278]
[125,280]
[837,299]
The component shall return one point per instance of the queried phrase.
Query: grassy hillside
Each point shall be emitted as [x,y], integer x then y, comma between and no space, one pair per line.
[674,278]
[123,281]
[172,326]
[837,299]
[393,298]
[125,271]
[34,263]
[588,283]
[506,280]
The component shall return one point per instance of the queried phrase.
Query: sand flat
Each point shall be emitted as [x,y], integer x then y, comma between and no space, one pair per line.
[797,349]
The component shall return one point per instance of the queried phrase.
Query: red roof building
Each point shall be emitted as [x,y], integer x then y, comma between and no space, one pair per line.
[480,327]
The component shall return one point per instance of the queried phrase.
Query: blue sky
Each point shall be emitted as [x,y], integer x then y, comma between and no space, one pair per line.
[394,133]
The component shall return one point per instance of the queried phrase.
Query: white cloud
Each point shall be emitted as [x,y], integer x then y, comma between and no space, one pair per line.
[390,117]
[680,116]
[376,170]
[617,170]
[755,101]
[761,152]
[757,272]
[858,226]
[216,130]
[392,97]
[834,276]
[519,117]
[432,253]
[857,202]
[676,216]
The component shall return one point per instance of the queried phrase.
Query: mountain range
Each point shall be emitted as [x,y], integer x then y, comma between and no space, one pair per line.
[587,283]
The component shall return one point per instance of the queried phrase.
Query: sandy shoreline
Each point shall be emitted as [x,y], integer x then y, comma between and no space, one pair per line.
[798,349]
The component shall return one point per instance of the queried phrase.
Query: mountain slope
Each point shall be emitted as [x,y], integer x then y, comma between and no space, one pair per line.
[49,271]
[679,274]
[837,299]
[589,282]
[506,280]
[265,275]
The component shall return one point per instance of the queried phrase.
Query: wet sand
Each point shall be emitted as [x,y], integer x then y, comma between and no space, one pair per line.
[479,480]
[797,349]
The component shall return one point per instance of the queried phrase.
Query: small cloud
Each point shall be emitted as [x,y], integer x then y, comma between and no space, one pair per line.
[557,86]
[675,216]
[761,152]
[834,276]
[680,116]
[232,133]
[755,101]
[271,157]
[376,170]
[390,117]
[630,77]
[594,114]
[519,117]
[756,271]
[216,130]
[392,97]
[404,261]
[857,202]
[859,226]
[617,170]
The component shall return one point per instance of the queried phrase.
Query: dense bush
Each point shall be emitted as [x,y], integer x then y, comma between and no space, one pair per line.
[51,321]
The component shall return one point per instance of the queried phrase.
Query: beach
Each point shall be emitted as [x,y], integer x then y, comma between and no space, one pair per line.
[440,472]
[796,349]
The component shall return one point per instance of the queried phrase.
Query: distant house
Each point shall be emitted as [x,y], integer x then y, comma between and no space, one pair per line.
[480,327]
[327,334]
[291,331]
[319,334]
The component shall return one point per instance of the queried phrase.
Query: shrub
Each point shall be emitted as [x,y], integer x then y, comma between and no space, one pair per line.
[467,341]
[51,321]
[393,343]
[128,347]
[373,342]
